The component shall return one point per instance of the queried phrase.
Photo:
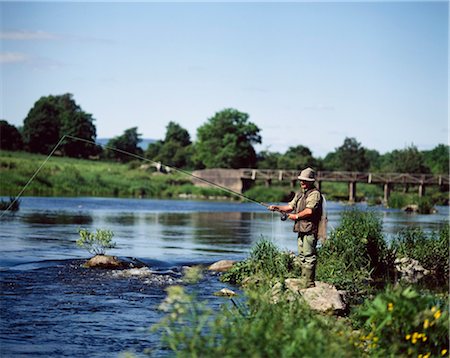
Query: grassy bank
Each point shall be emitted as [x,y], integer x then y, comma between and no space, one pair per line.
[62,176]
[77,177]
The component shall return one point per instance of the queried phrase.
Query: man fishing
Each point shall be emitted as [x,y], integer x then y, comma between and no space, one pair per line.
[305,210]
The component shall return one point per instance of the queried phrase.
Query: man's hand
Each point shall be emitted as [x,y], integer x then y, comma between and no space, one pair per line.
[273,208]
[293,217]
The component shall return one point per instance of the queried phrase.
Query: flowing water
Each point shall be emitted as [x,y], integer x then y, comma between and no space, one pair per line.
[53,307]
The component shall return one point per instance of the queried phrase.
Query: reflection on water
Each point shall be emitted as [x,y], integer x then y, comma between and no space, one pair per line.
[51,307]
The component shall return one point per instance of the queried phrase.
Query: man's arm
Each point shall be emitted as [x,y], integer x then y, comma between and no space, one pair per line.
[280,208]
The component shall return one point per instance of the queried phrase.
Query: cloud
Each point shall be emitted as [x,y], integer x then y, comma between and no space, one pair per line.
[24,35]
[12,57]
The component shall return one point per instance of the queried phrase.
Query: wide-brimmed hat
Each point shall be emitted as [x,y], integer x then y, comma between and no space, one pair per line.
[307,174]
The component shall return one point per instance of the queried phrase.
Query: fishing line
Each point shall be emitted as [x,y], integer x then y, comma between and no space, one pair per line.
[242,196]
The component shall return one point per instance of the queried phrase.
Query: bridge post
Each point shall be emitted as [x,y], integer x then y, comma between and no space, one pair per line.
[293,183]
[268,183]
[352,191]
[387,192]
[319,185]
[421,190]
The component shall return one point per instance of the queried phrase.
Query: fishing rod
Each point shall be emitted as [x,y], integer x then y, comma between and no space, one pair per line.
[137,156]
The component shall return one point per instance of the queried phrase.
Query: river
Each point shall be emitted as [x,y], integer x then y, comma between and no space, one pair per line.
[52,307]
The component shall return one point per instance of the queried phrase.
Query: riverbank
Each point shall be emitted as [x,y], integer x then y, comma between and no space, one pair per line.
[62,176]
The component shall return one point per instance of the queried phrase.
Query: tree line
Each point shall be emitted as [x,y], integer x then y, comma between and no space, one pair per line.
[226,140]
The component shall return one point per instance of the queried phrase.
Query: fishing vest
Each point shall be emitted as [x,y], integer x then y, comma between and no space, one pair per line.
[308,225]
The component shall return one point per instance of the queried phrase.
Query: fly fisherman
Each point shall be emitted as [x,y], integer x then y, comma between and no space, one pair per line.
[305,210]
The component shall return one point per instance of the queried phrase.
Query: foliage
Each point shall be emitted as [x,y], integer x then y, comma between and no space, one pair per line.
[404,322]
[50,119]
[437,159]
[255,329]
[408,160]
[273,194]
[356,253]
[267,262]
[351,156]
[430,249]
[226,141]
[299,157]
[10,137]
[175,150]
[268,160]
[120,147]
[96,243]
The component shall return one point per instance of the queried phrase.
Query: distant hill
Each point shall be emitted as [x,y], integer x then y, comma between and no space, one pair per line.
[144,144]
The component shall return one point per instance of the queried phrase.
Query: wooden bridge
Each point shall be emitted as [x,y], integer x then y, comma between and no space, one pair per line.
[241,179]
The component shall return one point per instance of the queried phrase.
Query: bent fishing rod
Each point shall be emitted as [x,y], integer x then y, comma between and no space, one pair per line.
[137,156]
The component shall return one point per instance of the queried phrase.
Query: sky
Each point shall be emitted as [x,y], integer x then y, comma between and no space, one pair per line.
[306,73]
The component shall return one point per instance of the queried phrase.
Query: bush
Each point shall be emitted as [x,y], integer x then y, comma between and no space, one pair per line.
[256,329]
[265,261]
[402,322]
[96,243]
[430,249]
[355,253]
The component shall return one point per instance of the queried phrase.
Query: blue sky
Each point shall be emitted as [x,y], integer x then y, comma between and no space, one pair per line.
[309,73]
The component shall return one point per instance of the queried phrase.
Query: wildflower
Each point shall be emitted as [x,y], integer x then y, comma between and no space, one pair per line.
[443,352]
[437,314]
[433,309]
[424,338]
[390,306]
[426,323]
[427,355]
[408,337]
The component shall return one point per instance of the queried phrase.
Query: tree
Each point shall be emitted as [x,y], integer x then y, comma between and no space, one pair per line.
[41,126]
[50,119]
[408,160]
[226,141]
[268,160]
[127,143]
[10,137]
[351,156]
[437,159]
[175,150]
[299,157]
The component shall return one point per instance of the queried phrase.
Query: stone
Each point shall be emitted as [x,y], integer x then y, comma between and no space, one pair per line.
[225,292]
[105,262]
[221,266]
[324,298]
[410,270]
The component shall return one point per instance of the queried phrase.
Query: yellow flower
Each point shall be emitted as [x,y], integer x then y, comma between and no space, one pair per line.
[433,309]
[420,356]
[437,314]
[443,352]
[424,338]
[390,306]
[408,337]
[427,355]
[426,323]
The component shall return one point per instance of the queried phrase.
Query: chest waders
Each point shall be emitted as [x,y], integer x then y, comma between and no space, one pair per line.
[307,239]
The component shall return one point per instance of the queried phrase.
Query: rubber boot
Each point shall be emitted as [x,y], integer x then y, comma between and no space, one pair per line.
[309,276]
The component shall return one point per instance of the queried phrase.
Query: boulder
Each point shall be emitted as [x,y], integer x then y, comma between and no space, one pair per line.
[410,270]
[221,266]
[323,297]
[105,262]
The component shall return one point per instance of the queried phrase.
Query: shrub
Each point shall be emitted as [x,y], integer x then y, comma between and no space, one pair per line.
[430,249]
[256,329]
[355,253]
[402,322]
[96,243]
[265,261]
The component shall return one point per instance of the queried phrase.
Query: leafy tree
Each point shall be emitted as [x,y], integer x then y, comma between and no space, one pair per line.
[437,159]
[226,141]
[408,160]
[127,142]
[10,137]
[351,156]
[175,150]
[50,119]
[41,126]
[268,160]
[299,157]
